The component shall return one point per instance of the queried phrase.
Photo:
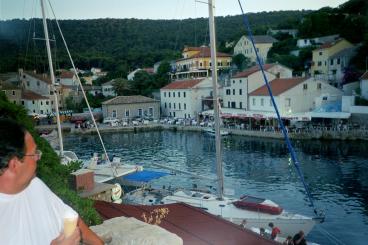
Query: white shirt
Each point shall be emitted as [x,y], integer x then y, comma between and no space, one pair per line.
[33,216]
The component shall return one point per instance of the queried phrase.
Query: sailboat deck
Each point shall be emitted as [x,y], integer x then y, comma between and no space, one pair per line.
[104,173]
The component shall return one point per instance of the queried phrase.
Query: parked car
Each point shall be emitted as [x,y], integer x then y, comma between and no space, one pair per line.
[110,120]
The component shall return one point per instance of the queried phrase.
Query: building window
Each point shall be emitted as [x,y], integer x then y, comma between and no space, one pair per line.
[178,94]
[233,81]
[331,62]
[233,105]
[41,112]
[164,94]
[173,94]
[320,53]
[185,106]
[28,84]
[240,92]
[140,112]
[262,102]
[305,86]
[13,92]
[165,105]
[127,113]
[47,102]
[228,104]
[41,102]
[169,105]
[113,113]
[233,91]
[319,63]
[150,111]
[184,94]
[22,102]
[170,113]
[174,106]
[338,61]
[240,81]
[319,86]
[38,83]
[179,106]
[228,91]
[254,101]
[240,105]
[33,102]
[169,94]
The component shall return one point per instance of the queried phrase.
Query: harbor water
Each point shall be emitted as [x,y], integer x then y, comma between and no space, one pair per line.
[335,171]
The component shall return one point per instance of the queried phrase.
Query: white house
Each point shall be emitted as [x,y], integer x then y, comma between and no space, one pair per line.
[292,95]
[236,90]
[108,88]
[36,103]
[38,83]
[306,42]
[263,44]
[185,98]
[66,78]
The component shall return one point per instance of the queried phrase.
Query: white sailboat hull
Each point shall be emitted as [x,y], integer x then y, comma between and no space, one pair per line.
[289,223]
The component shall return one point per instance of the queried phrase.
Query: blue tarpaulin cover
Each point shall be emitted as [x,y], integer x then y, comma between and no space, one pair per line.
[144,176]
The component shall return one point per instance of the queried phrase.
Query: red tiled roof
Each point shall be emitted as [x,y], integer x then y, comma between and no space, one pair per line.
[329,44]
[252,70]
[66,74]
[364,76]
[149,70]
[193,225]
[41,77]
[29,95]
[278,86]
[184,84]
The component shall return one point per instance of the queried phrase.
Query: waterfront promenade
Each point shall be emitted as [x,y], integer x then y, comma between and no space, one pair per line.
[322,133]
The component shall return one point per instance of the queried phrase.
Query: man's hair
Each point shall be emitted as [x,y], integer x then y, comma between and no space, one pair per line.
[11,141]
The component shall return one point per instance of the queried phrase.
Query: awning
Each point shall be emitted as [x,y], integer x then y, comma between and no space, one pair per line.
[144,176]
[333,115]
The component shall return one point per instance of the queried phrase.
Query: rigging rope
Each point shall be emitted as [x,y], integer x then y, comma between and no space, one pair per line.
[113,168]
[283,129]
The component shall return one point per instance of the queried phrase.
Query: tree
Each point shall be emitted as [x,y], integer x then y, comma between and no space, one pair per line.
[123,87]
[143,83]
[241,61]
[162,78]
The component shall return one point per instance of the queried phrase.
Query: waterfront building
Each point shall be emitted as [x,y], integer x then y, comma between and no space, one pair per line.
[36,103]
[236,90]
[35,82]
[92,89]
[263,44]
[196,63]
[131,107]
[186,98]
[293,95]
[291,32]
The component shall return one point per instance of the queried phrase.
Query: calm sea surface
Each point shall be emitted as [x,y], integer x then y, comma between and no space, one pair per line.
[336,172]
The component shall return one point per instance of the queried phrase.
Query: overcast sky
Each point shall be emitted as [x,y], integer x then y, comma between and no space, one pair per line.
[151,9]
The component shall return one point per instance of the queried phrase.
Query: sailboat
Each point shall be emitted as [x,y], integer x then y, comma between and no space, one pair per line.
[104,172]
[258,212]
[65,156]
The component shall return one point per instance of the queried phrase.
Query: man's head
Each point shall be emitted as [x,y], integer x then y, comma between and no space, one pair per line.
[19,156]
[12,142]
[270,224]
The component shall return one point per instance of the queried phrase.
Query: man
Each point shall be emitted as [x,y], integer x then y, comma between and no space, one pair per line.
[274,231]
[30,212]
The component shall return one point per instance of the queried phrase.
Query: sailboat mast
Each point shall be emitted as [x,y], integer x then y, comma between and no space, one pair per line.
[216,100]
[53,88]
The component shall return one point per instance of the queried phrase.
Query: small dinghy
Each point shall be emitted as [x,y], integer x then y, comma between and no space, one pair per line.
[258,204]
